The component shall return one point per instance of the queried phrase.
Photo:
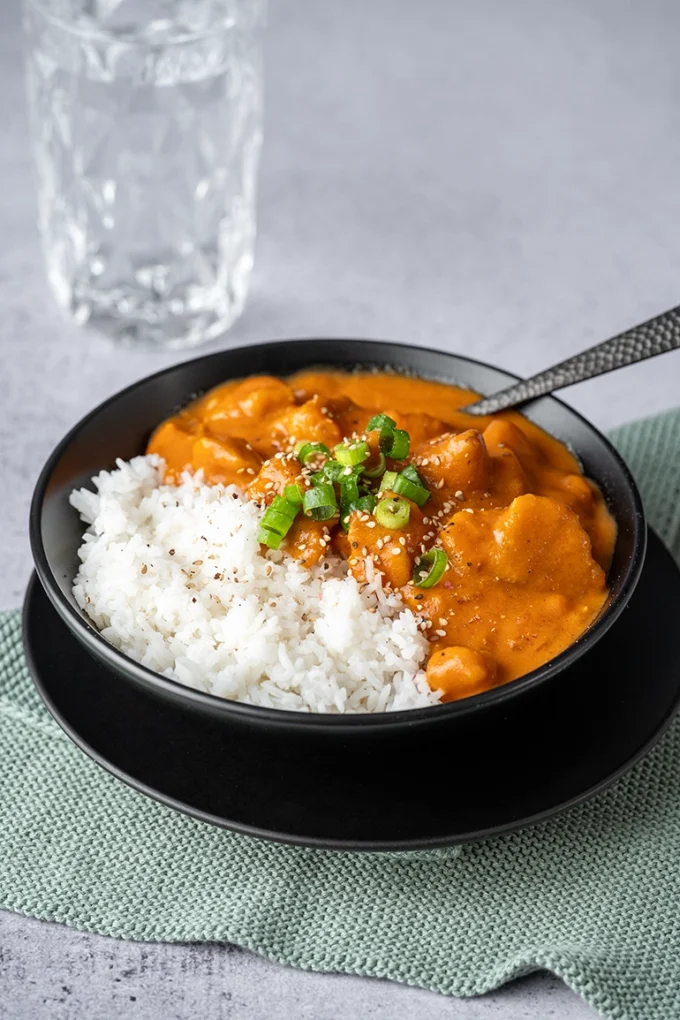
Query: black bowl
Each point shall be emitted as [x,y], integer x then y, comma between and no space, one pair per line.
[121,426]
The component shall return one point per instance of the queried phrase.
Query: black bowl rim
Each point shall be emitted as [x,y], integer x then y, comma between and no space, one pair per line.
[202,701]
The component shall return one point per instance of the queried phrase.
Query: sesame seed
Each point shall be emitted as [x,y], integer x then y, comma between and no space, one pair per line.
[144,568]
[370,524]
[459,495]
[440,483]
[442,621]
[402,541]
[469,510]
[397,551]
[440,633]
[198,563]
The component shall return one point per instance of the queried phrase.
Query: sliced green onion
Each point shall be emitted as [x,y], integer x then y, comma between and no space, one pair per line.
[308,451]
[349,494]
[330,472]
[282,506]
[320,503]
[405,487]
[349,489]
[293,495]
[395,444]
[430,568]
[388,480]
[378,469]
[277,521]
[270,538]
[355,453]
[381,421]
[392,513]
[410,472]
[365,504]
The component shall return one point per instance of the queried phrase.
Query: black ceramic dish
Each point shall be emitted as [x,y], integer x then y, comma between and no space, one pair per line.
[120,428]
[460,779]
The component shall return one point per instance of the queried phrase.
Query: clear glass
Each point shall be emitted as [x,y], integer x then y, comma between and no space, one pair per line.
[146,119]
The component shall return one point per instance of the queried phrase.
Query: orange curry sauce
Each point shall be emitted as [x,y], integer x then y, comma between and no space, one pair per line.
[527,537]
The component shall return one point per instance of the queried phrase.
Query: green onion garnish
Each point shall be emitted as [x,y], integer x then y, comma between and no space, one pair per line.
[270,538]
[293,495]
[377,470]
[277,521]
[309,451]
[381,421]
[349,494]
[365,504]
[331,472]
[395,444]
[392,513]
[405,487]
[355,453]
[320,503]
[349,489]
[388,480]
[410,472]
[430,568]
[281,506]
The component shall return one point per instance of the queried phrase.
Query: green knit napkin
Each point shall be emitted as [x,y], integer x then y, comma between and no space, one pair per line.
[592,895]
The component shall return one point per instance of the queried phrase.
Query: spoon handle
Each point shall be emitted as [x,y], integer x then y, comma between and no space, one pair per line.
[656,336]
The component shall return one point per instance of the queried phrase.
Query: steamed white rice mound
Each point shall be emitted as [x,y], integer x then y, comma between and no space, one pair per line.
[175,578]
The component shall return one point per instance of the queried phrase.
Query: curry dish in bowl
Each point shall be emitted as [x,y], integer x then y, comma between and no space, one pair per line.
[484,531]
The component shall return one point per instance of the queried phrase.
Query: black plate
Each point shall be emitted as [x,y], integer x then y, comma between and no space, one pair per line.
[417,788]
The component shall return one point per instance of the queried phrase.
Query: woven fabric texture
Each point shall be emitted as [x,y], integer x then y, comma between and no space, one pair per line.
[593,895]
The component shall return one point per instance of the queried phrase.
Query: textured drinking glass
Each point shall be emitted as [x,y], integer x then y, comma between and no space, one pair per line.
[146,120]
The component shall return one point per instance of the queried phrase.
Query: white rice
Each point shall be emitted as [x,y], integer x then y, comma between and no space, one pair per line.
[174,577]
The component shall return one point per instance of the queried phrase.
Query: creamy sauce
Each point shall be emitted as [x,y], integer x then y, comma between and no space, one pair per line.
[528,539]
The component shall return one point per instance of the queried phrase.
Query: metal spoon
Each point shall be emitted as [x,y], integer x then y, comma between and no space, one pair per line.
[656,336]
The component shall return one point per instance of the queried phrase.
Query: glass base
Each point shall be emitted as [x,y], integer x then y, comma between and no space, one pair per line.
[175,324]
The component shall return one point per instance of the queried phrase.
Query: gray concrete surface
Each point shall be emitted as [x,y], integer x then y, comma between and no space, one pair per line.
[501,179]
